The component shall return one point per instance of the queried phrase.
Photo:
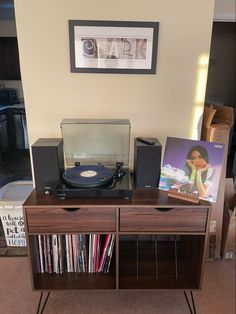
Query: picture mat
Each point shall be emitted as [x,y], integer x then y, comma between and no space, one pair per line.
[115,33]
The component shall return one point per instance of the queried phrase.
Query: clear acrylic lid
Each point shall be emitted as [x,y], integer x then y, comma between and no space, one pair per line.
[93,141]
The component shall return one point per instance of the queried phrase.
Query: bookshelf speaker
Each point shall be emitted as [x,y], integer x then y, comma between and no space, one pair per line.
[48,161]
[147,163]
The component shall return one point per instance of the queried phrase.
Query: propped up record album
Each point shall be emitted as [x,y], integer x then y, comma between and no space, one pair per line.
[192,167]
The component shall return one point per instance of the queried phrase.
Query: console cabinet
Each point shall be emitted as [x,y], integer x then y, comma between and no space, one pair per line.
[160,242]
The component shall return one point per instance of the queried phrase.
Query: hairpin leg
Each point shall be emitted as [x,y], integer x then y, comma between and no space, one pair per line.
[176,259]
[192,307]
[137,270]
[42,304]
[156,261]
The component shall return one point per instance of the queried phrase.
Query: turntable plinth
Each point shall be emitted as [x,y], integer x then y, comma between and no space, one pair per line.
[160,242]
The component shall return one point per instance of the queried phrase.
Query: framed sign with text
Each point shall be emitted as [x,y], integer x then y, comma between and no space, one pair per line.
[113,46]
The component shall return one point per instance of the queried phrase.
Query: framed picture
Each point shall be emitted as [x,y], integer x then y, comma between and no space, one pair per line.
[113,47]
[192,166]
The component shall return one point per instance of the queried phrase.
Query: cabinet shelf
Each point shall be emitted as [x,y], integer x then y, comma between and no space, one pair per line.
[9,59]
[74,281]
[154,249]
[43,279]
[160,262]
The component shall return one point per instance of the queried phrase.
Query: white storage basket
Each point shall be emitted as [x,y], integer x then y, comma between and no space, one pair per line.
[12,196]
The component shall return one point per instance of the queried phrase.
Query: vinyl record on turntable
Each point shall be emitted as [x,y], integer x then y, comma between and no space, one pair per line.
[88,176]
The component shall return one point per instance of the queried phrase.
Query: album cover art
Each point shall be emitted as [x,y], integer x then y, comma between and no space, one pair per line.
[192,166]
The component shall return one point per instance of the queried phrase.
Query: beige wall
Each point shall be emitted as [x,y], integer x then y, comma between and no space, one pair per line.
[166,104]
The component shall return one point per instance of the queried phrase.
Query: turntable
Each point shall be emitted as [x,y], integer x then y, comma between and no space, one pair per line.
[97,158]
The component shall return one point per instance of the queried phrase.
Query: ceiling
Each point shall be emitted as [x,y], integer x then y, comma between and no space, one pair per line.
[224,10]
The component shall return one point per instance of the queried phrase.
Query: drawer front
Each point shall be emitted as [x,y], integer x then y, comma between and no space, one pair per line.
[53,220]
[163,219]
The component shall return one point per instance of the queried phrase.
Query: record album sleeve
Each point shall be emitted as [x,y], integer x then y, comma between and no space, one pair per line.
[192,166]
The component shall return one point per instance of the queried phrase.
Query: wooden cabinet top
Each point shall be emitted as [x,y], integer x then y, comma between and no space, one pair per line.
[139,198]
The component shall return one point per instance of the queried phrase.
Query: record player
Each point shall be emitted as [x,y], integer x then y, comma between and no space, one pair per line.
[97,158]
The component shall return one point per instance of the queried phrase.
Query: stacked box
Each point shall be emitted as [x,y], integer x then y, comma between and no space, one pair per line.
[228,247]
[216,126]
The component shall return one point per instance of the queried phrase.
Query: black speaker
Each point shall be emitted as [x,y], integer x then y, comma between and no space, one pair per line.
[48,160]
[147,163]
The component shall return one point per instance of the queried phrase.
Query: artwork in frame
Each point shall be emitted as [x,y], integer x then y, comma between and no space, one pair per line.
[113,46]
[193,167]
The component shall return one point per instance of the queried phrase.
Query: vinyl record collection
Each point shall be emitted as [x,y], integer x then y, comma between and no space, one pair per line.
[80,253]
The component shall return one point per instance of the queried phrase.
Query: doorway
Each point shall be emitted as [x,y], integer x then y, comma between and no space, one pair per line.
[222,78]
[14,149]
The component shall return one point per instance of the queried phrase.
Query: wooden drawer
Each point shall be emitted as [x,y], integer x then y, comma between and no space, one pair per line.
[163,219]
[60,220]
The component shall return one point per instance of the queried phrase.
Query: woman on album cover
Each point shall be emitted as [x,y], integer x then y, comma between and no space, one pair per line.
[199,170]
[193,167]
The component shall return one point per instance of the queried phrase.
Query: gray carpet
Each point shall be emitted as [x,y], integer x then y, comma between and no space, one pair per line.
[16,297]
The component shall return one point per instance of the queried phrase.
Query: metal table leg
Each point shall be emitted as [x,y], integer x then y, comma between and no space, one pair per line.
[41,303]
[191,307]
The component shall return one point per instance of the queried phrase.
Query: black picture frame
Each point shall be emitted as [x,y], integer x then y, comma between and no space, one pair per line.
[113,46]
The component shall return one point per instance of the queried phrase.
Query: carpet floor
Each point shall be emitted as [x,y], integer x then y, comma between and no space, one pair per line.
[16,296]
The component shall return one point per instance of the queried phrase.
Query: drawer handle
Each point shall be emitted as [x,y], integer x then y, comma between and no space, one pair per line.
[165,210]
[71,209]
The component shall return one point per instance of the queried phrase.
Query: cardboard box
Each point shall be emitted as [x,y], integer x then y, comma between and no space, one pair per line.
[234,170]
[216,126]
[228,247]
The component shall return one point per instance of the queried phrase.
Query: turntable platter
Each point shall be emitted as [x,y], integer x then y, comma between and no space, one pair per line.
[88,176]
